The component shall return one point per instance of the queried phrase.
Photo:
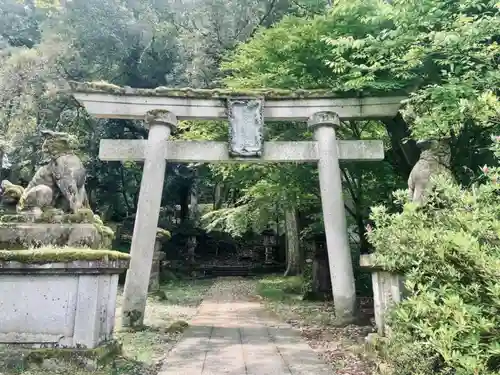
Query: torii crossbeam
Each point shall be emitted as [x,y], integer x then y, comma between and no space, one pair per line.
[246,111]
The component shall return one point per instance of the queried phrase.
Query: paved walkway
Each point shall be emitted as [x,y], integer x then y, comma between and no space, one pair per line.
[233,336]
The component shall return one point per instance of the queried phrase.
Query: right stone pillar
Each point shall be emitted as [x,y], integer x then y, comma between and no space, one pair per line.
[330,180]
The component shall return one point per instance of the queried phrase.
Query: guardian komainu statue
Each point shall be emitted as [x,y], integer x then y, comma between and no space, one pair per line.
[60,182]
[434,160]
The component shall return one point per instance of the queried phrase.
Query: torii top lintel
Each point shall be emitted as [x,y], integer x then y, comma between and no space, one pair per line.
[105,100]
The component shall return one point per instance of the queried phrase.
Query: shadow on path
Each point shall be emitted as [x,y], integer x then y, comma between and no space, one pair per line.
[233,336]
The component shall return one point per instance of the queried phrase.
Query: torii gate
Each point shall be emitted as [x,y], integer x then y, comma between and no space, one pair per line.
[161,108]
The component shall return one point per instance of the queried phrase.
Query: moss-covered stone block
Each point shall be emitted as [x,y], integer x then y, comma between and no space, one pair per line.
[14,218]
[16,357]
[188,92]
[60,255]
[17,236]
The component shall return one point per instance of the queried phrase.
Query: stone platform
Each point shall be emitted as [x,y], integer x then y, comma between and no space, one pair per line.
[59,298]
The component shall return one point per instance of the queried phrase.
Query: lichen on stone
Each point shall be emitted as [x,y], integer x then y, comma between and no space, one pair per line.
[60,255]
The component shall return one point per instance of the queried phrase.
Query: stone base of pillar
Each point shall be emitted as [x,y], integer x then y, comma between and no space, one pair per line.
[388,289]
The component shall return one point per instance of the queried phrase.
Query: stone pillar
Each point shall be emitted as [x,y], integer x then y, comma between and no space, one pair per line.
[160,123]
[330,181]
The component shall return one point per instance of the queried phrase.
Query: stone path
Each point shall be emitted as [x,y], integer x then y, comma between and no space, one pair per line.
[233,336]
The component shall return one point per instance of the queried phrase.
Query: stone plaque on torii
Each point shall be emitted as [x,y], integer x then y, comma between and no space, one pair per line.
[161,108]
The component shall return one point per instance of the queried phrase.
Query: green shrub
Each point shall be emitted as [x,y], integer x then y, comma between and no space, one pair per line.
[449,251]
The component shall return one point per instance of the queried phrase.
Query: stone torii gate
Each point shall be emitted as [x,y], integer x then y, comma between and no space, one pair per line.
[161,108]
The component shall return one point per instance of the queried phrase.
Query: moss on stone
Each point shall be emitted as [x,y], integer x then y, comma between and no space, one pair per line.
[13,218]
[163,234]
[107,234]
[133,320]
[101,353]
[177,327]
[11,190]
[100,356]
[60,255]
[267,93]
[82,216]
[51,216]
[157,112]
[98,220]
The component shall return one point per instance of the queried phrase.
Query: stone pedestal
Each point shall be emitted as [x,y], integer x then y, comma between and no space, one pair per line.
[388,289]
[59,299]
[16,236]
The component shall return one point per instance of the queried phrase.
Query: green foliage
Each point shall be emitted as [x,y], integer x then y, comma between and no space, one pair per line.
[449,251]
[447,50]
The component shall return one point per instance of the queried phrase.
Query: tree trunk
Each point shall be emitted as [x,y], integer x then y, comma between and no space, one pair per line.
[293,255]
[194,217]
[1,165]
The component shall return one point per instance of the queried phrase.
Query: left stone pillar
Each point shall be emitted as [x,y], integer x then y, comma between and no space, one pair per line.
[160,123]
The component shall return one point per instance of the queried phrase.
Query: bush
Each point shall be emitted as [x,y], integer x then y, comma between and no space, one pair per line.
[449,251]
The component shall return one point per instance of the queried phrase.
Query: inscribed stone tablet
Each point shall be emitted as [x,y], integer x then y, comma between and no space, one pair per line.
[246,123]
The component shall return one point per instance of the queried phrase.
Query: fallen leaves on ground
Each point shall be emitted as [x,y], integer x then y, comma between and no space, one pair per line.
[341,347]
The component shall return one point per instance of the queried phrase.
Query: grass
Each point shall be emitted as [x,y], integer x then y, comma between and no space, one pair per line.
[151,344]
[283,296]
[280,288]
[144,350]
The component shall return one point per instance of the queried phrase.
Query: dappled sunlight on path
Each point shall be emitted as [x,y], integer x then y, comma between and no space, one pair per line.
[233,335]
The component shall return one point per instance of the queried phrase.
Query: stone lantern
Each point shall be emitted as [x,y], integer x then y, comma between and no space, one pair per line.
[269,245]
